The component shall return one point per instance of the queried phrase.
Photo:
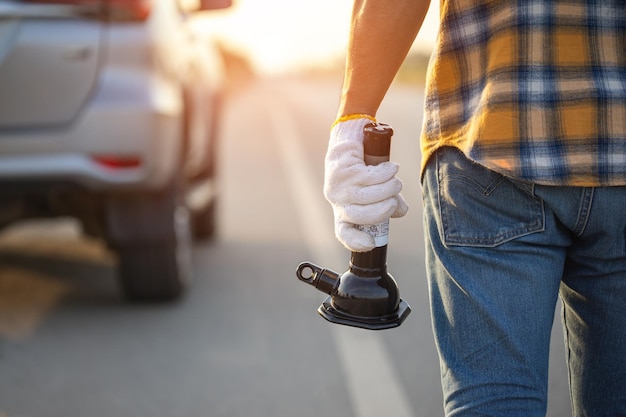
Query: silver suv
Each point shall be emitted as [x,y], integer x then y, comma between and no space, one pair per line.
[108,113]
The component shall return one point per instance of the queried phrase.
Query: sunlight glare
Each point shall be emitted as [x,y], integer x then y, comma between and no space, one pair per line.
[279,35]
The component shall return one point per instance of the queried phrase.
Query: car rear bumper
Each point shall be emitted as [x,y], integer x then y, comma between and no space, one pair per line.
[130,116]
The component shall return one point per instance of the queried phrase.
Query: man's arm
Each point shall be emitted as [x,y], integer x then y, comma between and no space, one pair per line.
[382,32]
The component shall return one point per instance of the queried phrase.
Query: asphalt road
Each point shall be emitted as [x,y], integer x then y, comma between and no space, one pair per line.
[246,341]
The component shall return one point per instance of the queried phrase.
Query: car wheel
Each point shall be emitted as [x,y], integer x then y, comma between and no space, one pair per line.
[159,270]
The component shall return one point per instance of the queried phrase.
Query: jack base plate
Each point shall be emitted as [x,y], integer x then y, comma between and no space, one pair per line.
[328,312]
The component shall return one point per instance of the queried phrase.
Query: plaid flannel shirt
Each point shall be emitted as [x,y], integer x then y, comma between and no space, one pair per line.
[533,89]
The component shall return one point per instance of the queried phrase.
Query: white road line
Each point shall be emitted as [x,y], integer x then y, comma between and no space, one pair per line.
[374,387]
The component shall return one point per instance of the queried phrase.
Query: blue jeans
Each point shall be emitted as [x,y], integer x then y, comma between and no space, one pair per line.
[498,254]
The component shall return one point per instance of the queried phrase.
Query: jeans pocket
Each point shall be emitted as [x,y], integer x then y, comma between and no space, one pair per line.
[480,207]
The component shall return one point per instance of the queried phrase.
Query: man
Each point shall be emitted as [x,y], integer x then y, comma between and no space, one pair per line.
[524,175]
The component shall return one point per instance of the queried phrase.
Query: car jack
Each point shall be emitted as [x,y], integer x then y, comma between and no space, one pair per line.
[366,295]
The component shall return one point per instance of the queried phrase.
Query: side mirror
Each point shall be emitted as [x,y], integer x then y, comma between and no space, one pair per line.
[206,5]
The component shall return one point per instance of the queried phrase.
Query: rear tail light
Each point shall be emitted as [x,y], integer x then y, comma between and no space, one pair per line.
[112,10]
[117,162]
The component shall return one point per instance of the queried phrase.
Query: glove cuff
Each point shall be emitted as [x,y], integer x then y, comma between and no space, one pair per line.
[348,133]
[352,117]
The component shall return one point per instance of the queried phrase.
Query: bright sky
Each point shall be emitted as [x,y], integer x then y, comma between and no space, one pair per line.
[283,34]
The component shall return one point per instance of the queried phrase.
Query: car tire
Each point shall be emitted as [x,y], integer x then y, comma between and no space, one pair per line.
[159,270]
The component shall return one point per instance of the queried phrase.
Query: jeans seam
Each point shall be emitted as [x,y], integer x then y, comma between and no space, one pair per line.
[584,211]
[568,354]
[442,228]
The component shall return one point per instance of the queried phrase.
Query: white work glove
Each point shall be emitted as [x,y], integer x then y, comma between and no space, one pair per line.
[359,194]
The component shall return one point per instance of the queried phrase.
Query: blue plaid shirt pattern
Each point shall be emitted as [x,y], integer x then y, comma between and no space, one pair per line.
[533,89]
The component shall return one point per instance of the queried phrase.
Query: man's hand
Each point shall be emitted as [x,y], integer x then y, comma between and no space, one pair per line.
[359,194]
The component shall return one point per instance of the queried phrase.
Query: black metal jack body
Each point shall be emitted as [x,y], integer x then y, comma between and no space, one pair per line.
[366,295]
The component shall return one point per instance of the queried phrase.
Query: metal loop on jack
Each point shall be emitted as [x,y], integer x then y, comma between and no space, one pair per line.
[323,279]
[306,272]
